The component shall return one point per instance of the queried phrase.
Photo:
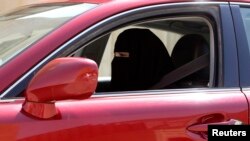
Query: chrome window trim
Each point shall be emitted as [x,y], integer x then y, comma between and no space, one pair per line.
[150,93]
[239,3]
[163,91]
[245,89]
[46,59]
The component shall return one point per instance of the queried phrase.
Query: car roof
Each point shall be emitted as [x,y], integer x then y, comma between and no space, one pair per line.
[146,1]
[156,1]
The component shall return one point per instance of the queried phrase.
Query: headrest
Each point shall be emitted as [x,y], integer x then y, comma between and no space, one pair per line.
[138,42]
[188,48]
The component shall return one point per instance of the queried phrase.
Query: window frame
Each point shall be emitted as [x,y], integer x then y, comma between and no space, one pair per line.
[178,18]
[211,10]
[181,14]
[177,14]
[242,43]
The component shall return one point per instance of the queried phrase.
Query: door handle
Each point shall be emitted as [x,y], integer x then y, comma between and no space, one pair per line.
[204,127]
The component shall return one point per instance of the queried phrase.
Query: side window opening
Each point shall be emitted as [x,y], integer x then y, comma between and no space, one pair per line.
[183,39]
[94,50]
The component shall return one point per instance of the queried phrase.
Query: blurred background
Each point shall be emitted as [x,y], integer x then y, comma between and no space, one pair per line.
[8,5]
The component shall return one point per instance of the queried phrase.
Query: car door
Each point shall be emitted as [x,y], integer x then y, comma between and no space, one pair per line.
[240,13]
[164,114]
[151,116]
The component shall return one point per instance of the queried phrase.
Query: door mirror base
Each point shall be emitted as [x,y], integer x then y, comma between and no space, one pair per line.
[40,110]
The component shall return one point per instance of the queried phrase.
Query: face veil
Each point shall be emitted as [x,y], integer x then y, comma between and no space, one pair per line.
[140,60]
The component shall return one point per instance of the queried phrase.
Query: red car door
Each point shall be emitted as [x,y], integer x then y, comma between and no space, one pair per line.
[151,116]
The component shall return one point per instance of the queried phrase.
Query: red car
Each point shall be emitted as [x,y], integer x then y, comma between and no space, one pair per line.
[135,70]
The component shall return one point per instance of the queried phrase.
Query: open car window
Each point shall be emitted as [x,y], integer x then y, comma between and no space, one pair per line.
[148,55]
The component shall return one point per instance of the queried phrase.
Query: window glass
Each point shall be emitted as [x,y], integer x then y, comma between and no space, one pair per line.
[245,12]
[21,28]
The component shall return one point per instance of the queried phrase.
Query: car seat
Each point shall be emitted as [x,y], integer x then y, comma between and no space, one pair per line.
[140,60]
[188,48]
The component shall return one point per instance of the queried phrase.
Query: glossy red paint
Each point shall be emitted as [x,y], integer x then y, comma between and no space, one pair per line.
[246,91]
[149,117]
[62,78]
[68,30]
[155,1]
[40,110]
[204,126]
[88,1]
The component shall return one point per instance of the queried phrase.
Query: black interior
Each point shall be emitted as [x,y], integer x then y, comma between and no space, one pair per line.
[148,61]
[188,48]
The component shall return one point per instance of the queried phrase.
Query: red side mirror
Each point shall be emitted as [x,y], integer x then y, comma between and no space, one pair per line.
[60,79]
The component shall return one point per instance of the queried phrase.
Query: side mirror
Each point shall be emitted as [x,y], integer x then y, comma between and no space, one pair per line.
[60,79]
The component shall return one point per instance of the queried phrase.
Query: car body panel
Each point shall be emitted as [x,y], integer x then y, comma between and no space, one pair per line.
[51,42]
[158,115]
[139,116]
[146,1]
[246,91]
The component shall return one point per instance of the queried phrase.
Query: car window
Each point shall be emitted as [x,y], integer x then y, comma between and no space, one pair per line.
[21,28]
[245,12]
[147,55]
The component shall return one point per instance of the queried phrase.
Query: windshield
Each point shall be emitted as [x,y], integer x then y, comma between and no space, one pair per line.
[21,28]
